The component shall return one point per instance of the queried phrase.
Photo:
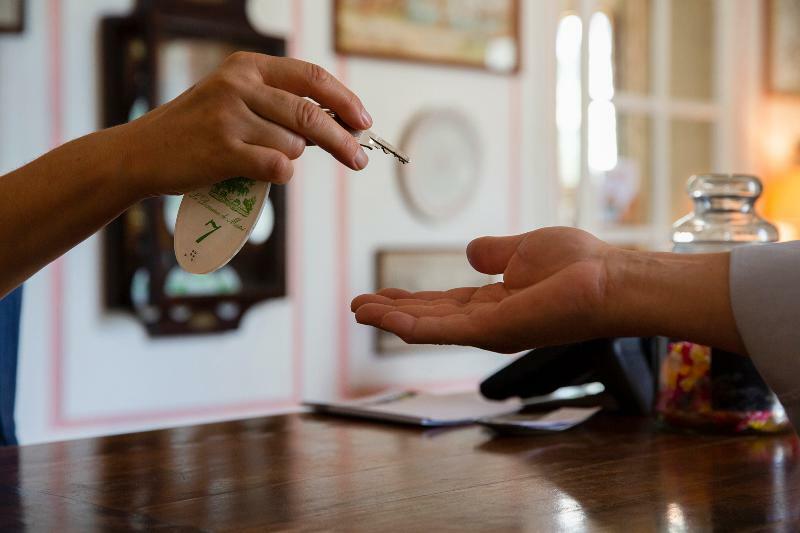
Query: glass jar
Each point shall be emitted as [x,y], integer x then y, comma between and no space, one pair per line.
[702,387]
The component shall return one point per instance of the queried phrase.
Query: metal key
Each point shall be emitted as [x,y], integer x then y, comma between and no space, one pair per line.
[368,139]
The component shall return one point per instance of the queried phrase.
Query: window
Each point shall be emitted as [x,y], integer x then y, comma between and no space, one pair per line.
[637,112]
[568,113]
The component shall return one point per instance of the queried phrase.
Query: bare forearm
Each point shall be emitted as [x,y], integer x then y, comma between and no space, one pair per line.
[56,201]
[251,117]
[675,295]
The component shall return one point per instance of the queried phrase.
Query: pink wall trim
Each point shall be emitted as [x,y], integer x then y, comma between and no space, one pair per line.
[515,153]
[180,414]
[296,238]
[343,291]
[57,268]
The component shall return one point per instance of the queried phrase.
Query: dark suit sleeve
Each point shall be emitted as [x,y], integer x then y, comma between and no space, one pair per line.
[9,343]
[765,296]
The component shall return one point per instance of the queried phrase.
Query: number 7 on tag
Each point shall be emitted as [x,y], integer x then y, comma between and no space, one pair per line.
[214,228]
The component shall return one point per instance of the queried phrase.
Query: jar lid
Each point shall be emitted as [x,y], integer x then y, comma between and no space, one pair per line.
[724,214]
[724,185]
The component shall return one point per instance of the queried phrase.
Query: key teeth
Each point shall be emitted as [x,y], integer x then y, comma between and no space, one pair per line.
[374,141]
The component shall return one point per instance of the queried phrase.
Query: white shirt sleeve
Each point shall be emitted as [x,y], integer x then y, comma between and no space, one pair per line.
[765,296]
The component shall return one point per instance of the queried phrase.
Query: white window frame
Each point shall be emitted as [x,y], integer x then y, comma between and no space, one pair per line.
[661,108]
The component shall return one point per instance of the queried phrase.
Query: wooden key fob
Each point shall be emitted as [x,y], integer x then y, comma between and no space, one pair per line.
[215,222]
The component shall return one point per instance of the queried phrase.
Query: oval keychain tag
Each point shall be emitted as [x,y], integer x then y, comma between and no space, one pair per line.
[215,222]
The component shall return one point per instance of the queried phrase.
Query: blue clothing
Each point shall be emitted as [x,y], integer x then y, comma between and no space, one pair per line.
[9,343]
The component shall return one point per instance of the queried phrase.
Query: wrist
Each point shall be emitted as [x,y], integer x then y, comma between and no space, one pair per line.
[129,164]
[98,162]
[635,291]
[675,295]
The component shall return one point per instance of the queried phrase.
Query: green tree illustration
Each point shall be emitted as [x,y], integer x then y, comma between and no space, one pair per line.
[248,204]
[233,193]
[233,187]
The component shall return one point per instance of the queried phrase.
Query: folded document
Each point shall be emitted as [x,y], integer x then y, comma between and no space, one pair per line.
[421,409]
[437,410]
[557,420]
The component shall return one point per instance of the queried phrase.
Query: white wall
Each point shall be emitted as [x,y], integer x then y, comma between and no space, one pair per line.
[114,378]
[84,371]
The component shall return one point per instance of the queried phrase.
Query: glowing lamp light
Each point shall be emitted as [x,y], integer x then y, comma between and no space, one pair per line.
[781,202]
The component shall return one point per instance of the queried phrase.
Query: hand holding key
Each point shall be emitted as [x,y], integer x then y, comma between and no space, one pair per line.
[368,139]
[259,113]
[251,117]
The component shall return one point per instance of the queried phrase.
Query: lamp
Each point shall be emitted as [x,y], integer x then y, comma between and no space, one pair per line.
[781,200]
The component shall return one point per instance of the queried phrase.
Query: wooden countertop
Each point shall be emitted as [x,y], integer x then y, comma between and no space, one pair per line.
[313,473]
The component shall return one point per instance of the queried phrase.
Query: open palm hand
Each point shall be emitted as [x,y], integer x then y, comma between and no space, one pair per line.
[553,291]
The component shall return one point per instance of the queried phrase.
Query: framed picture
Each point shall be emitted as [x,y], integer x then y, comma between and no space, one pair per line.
[447,160]
[481,34]
[422,270]
[12,16]
[783,46]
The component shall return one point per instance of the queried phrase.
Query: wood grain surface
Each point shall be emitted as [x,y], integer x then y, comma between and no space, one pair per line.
[305,472]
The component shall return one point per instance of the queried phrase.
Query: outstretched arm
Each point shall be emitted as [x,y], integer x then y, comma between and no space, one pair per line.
[249,118]
[563,285]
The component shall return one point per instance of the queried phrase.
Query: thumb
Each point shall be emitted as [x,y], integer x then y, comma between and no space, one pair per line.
[490,255]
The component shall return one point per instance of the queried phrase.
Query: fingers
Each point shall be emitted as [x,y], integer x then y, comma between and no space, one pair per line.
[460,294]
[394,293]
[378,299]
[481,329]
[452,329]
[308,79]
[261,163]
[365,299]
[262,132]
[445,318]
[440,325]
[479,324]
[490,255]
[308,120]
[399,297]
[372,314]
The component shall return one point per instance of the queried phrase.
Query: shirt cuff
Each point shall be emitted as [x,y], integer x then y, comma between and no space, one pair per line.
[765,296]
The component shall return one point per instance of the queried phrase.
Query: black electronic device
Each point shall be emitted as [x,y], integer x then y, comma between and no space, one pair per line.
[625,366]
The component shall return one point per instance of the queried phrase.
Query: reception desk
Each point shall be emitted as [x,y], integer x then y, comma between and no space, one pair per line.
[306,472]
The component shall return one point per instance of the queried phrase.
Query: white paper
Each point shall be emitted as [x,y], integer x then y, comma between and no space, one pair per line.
[421,409]
[557,420]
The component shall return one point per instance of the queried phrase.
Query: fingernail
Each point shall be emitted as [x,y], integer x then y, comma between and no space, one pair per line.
[366,118]
[361,159]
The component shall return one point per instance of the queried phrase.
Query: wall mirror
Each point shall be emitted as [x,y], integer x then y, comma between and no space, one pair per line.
[149,57]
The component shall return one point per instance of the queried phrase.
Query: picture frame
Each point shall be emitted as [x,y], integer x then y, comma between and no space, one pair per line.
[12,16]
[782,47]
[483,35]
[422,269]
[446,172]
[148,56]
